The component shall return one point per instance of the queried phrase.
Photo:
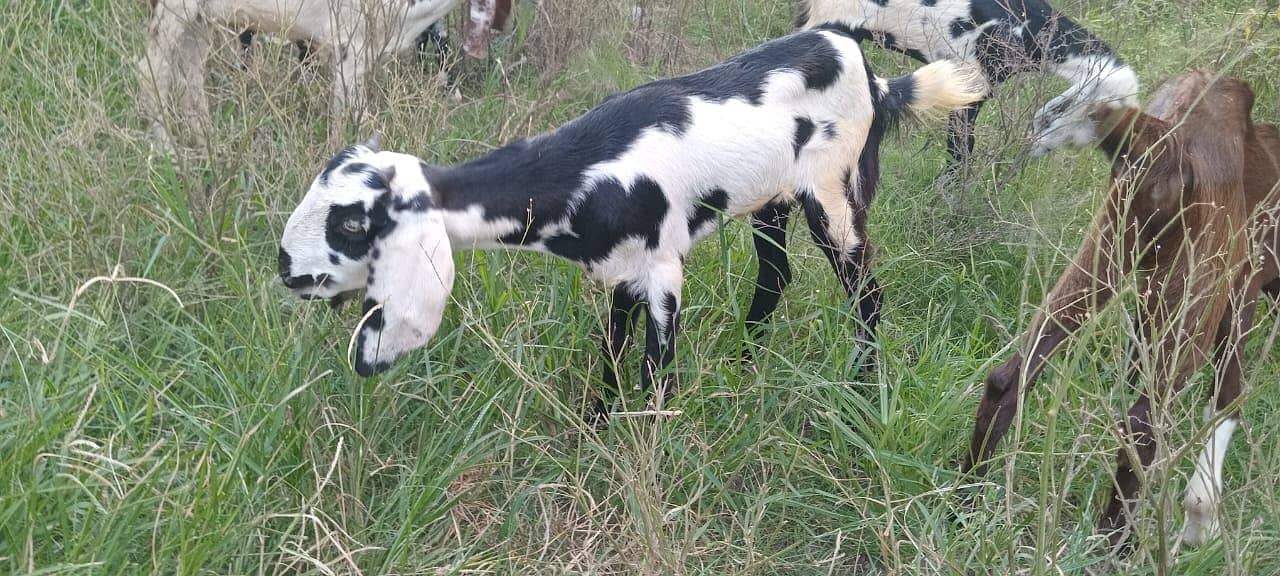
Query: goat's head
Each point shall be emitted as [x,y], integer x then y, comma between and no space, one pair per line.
[369,222]
[1065,120]
[1188,145]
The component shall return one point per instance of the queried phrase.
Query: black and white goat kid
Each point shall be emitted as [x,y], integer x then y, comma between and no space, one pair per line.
[625,191]
[1004,38]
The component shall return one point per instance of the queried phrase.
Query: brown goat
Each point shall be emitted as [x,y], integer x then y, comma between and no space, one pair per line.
[1192,207]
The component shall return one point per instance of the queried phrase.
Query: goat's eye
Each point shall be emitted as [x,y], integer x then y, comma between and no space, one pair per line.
[353,226]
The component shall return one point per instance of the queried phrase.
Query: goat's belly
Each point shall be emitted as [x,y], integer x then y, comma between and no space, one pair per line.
[929,30]
[291,19]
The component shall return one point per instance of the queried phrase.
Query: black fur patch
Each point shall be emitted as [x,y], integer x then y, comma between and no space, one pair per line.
[338,160]
[353,247]
[929,3]
[610,214]
[804,131]
[420,202]
[374,323]
[961,26]
[829,129]
[713,203]
[284,262]
[334,259]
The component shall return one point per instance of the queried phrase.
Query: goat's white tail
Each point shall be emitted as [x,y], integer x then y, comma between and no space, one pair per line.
[932,90]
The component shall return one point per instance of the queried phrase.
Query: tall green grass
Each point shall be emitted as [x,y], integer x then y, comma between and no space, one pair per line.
[222,432]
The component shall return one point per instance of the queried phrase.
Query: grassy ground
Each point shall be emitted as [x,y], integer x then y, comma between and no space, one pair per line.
[225,434]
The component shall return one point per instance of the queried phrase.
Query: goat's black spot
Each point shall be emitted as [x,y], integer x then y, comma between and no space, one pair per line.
[353,248]
[888,40]
[881,3]
[333,258]
[887,105]
[420,202]
[916,55]
[829,128]
[609,214]
[375,320]
[713,203]
[376,253]
[338,160]
[804,131]
[375,181]
[372,325]
[285,263]
[356,167]
[898,95]
[929,3]
[961,26]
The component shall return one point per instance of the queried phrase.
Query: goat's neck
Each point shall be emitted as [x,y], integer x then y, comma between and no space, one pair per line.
[489,202]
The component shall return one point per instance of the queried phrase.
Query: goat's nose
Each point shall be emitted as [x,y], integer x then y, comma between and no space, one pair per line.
[285,263]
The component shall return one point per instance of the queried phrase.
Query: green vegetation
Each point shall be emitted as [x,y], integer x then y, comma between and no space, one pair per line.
[225,434]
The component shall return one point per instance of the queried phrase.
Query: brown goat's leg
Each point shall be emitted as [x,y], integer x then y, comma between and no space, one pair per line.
[1204,491]
[1086,285]
[1273,289]
[1137,430]
[1187,307]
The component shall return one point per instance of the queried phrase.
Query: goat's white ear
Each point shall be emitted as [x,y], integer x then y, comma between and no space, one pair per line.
[410,275]
[375,141]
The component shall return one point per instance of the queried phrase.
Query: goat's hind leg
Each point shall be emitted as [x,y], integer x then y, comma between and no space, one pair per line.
[1204,491]
[774,273]
[1186,316]
[838,227]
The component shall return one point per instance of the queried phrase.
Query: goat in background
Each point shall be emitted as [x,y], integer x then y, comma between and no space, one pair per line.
[1004,38]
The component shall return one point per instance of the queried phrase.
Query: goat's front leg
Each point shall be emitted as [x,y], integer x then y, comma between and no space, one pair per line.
[622,311]
[838,228]
[1086,285]
[662,306]
[774,273]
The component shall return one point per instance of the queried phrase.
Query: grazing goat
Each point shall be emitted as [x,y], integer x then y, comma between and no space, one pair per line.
[624,191]
[355,32]
[1193,206]
[1003,37]
[482,16]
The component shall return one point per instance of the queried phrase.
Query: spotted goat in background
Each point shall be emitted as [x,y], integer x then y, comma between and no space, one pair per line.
[1193,207]
[625,191]
[1004,38]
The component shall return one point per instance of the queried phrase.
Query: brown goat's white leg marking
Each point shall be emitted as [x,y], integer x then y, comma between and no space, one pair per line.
[1204,493]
